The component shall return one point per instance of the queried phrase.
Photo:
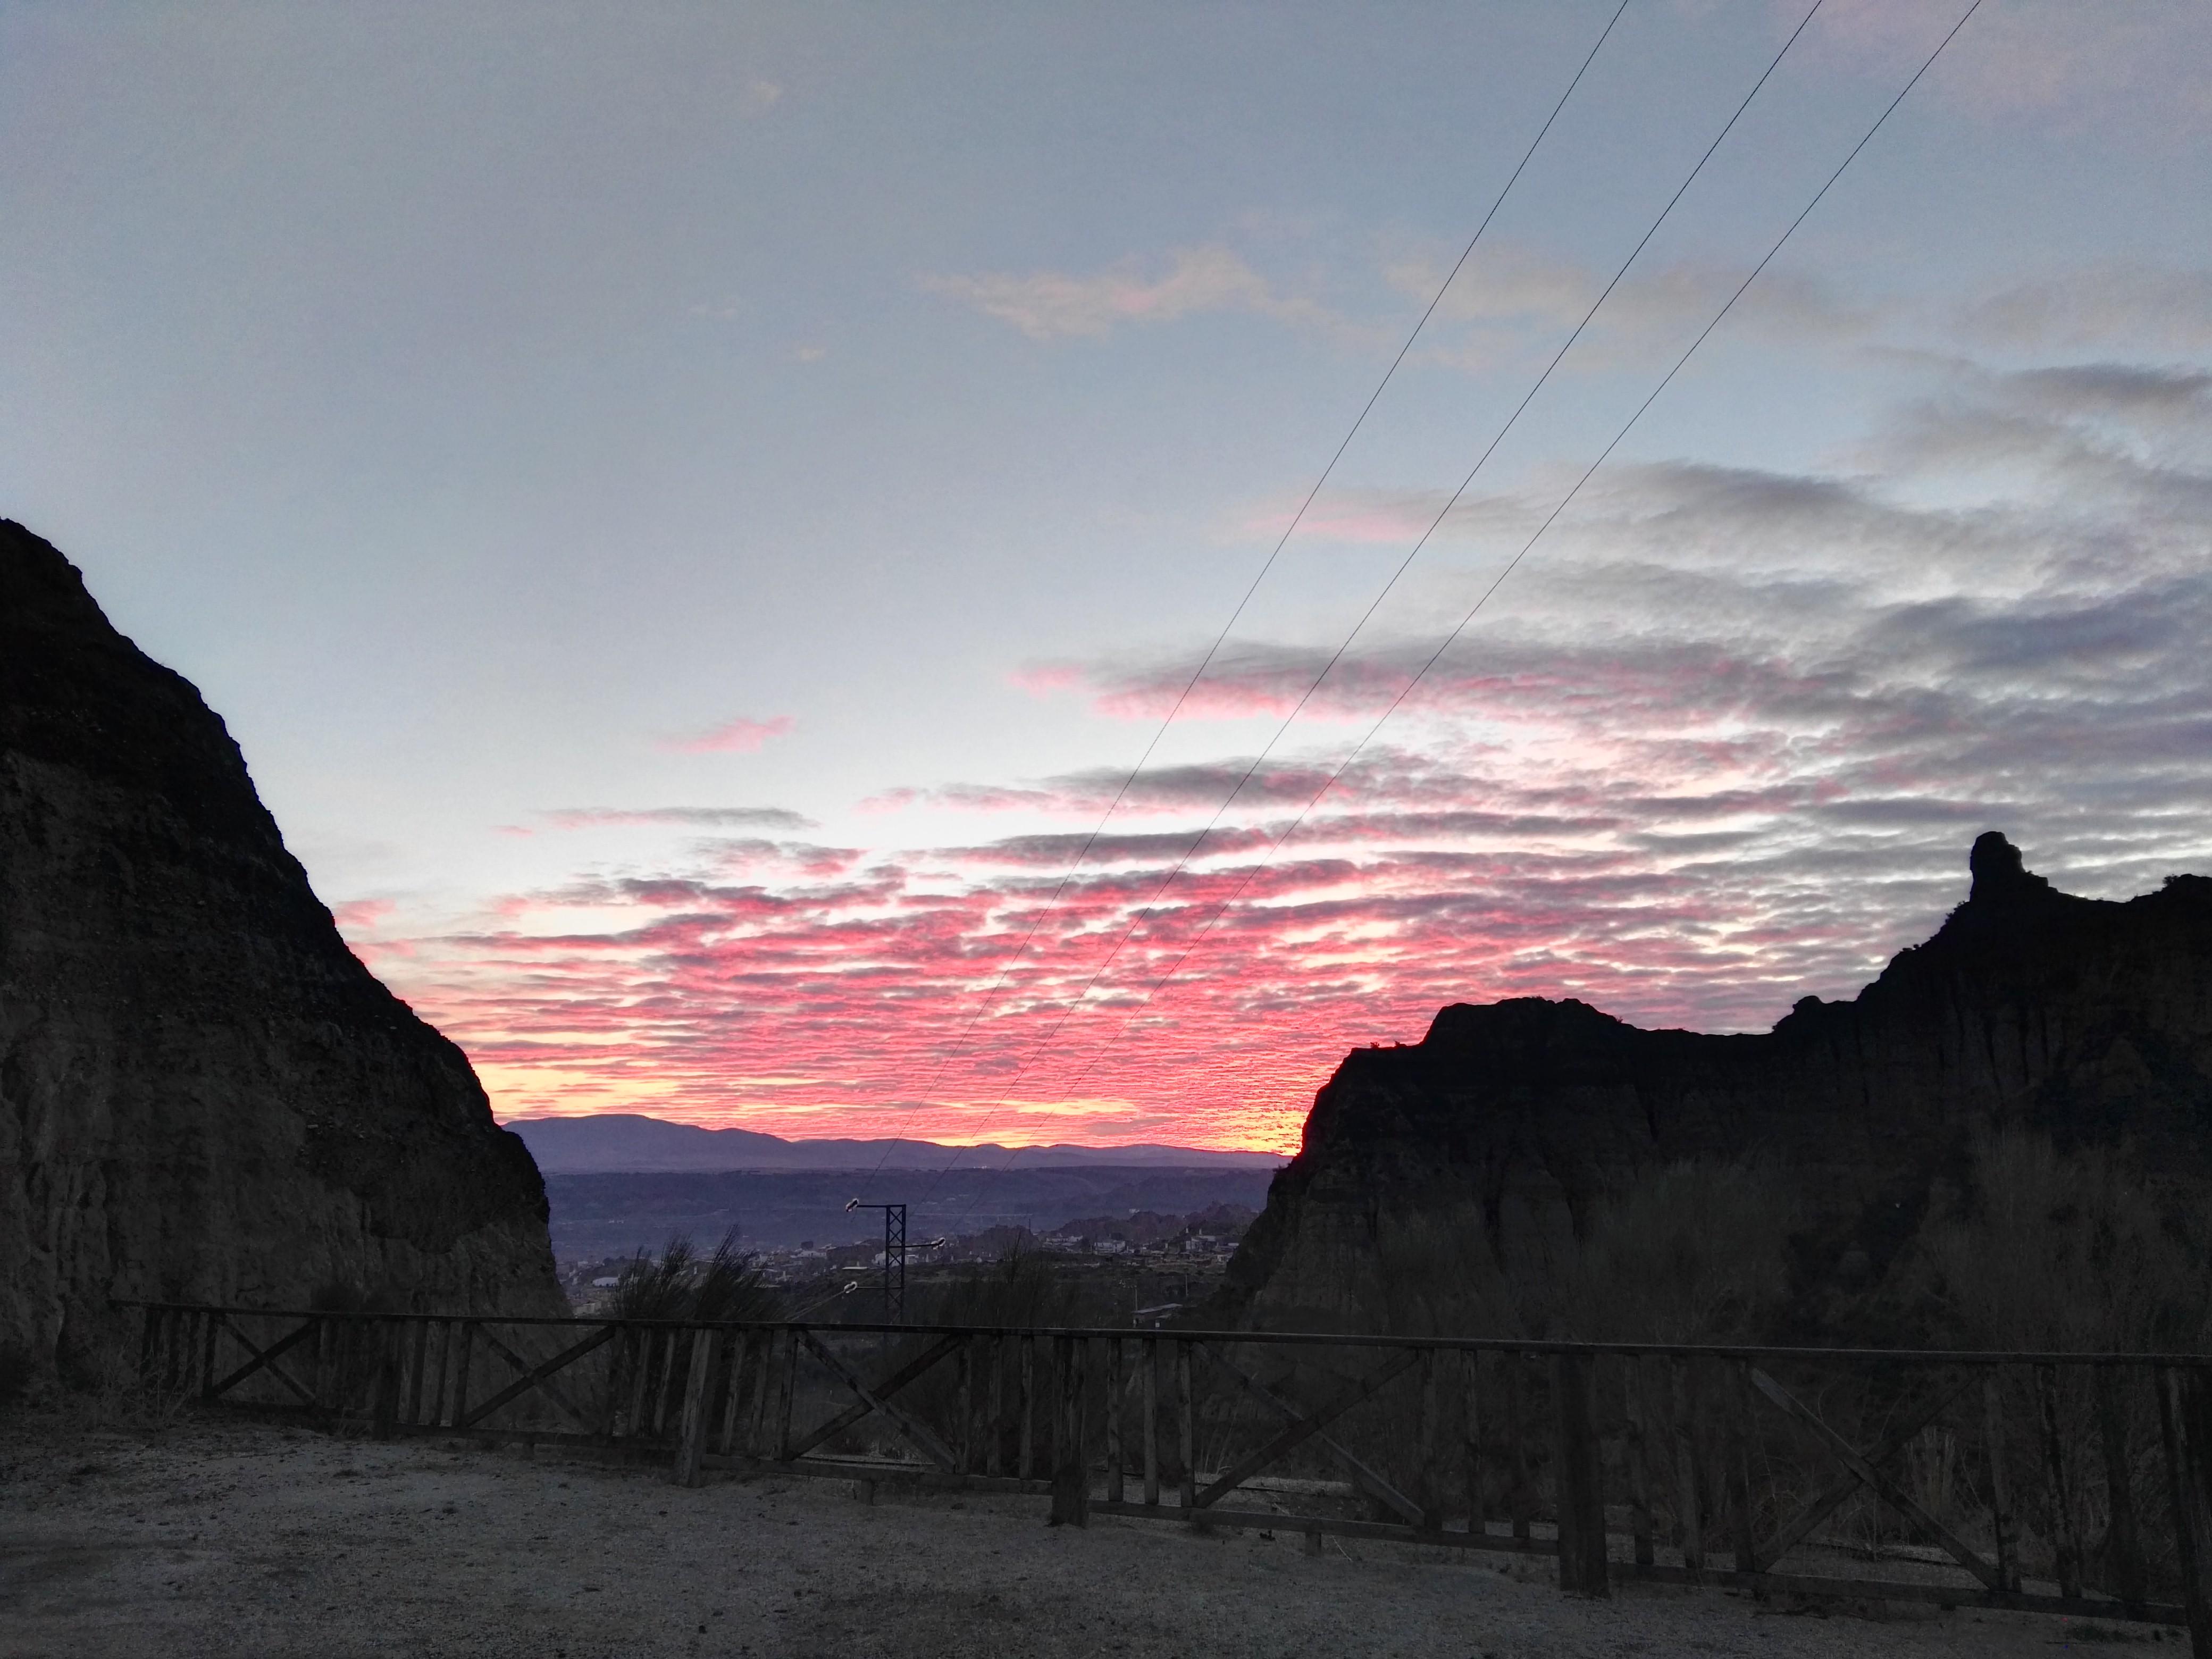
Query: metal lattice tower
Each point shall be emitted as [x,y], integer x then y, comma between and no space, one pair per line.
[894,1259]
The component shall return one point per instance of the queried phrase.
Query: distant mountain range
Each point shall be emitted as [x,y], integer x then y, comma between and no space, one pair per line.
[624,1142]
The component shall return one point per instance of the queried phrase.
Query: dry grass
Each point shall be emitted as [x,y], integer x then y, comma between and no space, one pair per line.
[1687,1252]
[682,1284]
[2075,1251]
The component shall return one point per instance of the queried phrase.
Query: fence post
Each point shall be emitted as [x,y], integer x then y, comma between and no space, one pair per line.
[1115,1410]
[786,1384]
[733,1396]
[1689,1515]
[1431,1492]
[666,1395]
[994,1362]
[438,1417]
[384,1404]
[2065,1527]
[964,1404]
[2129,1579]
[461,1372]
[2003,1526]
[1639,1461]
[616,1350]
[1520,1500]
[1580,1480]
[691,1433]
[641,1341]
[1151,1361]
[1071,1474]
[418,1354]
[2182,1423]
[1026,1446]
[1186,1428]
[148,1333]
[757,1423]
[1743,1498]
[1055,1364]
[1478,1520]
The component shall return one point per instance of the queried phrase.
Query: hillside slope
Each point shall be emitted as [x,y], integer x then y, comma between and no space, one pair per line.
[2087,1020]
[203,1092]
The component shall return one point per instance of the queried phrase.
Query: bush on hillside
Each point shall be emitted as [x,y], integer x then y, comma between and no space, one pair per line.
[2061,1250]
[680,1285]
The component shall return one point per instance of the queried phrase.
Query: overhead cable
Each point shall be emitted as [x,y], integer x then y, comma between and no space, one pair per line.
[1366,616]
[990,995]
[1483,598]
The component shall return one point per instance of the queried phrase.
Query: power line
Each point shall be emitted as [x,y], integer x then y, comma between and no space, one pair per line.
[990,995]
[1366,616]
[1482,599]
[849,1288]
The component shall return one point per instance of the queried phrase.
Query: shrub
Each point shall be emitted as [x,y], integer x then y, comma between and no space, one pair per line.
[1019,1290]
[725,1285]
[2071,1251]
[1689,1252]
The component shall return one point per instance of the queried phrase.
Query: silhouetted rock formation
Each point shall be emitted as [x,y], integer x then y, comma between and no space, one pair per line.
[2089,1020]
[203,1092]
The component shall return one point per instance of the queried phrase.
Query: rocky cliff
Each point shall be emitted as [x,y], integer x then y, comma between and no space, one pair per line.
[2088,1020]
[203,1092]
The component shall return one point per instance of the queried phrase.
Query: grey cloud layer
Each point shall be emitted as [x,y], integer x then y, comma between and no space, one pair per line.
[1836,663]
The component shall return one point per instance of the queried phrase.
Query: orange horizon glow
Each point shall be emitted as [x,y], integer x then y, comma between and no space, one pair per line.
[820,992]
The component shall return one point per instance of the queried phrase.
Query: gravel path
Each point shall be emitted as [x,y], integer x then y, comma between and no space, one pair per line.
[216,1537]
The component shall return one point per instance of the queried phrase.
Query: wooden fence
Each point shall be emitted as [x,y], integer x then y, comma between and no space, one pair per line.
[2050,1483]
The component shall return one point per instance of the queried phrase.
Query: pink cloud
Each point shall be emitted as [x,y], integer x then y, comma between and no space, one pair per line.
[890,801]
[1043,679]
[739,736]
[1049,305]
[2085,64]
[362,915]
[1697,773]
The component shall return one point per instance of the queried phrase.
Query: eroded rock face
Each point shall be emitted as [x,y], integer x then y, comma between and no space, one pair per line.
[2089,1020]
[203,1092]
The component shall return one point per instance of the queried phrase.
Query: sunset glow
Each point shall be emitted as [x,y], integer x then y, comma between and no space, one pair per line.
[693,515]
[1677,826]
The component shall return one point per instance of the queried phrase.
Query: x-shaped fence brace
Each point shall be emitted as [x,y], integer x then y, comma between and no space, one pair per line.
[1860,1471]
[1305,1426]
[1864,1470]
[756,1368]
[1299,1426]
[539,1377]
[878,1398]
[265,1359]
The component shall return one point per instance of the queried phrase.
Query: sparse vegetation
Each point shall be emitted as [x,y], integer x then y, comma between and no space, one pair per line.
[1687,1252]
[681,1284]
[2038,1247]
[1021,1290]
[2066,1250]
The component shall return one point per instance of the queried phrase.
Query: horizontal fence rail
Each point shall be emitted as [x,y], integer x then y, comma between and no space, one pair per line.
[2060,1483]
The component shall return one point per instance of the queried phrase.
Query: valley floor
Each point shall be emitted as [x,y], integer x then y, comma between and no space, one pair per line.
[215,1536]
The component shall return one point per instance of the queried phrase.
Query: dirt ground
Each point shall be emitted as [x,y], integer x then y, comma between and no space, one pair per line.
[214,1536]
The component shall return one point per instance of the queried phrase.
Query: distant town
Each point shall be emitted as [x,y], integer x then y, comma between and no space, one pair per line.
[1149,1264]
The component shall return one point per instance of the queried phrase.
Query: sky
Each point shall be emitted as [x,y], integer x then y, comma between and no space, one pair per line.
[693,513]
